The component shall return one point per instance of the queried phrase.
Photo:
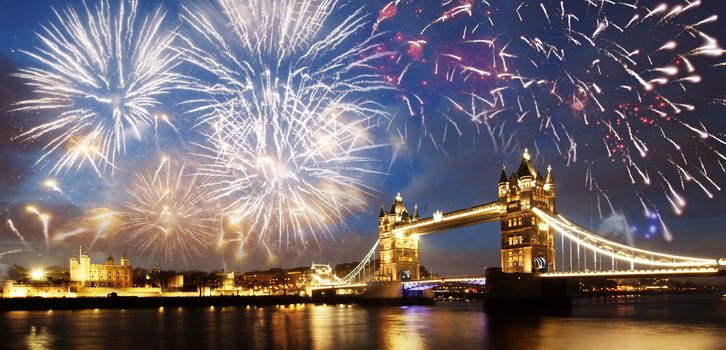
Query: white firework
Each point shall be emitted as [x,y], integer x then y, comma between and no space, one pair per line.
[167,214]
[287,114]
[102,71]
[297,168]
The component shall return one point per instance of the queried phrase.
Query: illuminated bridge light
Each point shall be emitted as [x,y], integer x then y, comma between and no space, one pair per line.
[622,252]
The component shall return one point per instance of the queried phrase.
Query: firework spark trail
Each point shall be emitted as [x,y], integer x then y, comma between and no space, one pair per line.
[99,223]
[53,186]
[72,233]
[167,213]
[45,220]
[101,72]
[580,70]
[12,227]
[287,115]
[104,221]
[12,251]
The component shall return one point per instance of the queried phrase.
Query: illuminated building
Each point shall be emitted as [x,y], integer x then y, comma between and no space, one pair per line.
[86,274]
[176,282]
[277,281]
[228,285]
[13,289]
[528,245]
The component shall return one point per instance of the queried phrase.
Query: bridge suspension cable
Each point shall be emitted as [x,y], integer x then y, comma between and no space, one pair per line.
[361,273]
[616,251]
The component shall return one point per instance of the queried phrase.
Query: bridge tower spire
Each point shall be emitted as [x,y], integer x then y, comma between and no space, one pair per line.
[528,245]
[399,250]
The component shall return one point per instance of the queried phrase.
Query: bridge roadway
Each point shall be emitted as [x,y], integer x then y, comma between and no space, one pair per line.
[451,220]
[673,272]
[481,280]
[433,282]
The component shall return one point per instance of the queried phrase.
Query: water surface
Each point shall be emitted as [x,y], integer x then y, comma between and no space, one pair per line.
[663,322]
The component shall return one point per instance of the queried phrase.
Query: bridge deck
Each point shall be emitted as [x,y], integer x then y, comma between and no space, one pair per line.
[455,219]
[682,272]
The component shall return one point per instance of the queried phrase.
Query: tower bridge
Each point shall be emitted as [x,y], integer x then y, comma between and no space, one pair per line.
[532,233]
[526,242]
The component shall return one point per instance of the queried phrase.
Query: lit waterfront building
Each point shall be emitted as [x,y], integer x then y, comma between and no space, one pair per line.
[86,274]
[277,281]
[13,289]
[176,282]
[228,285]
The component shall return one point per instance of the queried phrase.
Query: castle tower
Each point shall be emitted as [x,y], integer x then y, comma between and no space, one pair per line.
[398,250]
[527,244]
[124,261]
[80,268]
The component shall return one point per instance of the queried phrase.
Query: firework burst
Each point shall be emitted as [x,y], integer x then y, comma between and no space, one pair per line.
[577,78]
[297,168]
[287,110]
[167,214]
[101,73]
[280,42]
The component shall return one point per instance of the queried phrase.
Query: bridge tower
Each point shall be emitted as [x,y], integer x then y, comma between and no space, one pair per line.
[399,250]
[527,244]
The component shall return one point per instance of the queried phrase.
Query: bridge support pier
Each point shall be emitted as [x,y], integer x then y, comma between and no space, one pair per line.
[374,293]
[395,290]
[526,291]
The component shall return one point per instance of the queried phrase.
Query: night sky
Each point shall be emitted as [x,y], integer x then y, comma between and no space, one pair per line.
[456,172]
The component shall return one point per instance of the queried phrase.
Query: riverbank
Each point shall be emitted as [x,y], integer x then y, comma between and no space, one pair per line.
[14,304]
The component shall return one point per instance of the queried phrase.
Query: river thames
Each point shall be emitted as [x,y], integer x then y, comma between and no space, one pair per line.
[656,322]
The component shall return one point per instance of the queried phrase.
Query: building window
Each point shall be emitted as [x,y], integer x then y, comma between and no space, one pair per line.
[515,240]
[514,259]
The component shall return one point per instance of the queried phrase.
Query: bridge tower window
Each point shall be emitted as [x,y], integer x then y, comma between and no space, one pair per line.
[515,240]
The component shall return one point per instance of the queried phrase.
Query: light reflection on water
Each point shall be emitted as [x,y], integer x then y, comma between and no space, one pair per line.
[672,322]
[39,338]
